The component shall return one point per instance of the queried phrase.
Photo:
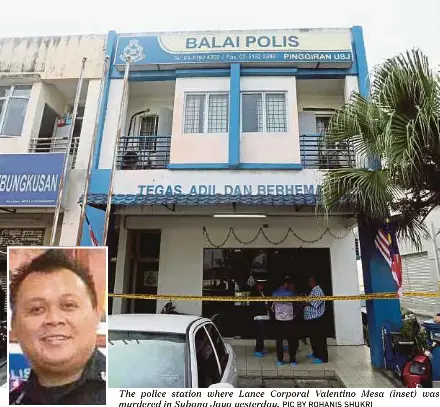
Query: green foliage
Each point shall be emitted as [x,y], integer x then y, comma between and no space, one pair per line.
[400,123]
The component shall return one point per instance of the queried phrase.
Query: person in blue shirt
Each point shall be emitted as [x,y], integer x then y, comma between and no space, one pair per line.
[314,318]
[284,315]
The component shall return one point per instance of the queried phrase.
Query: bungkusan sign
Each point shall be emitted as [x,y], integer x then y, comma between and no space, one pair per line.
[29,180]
[331,46]
[229,189]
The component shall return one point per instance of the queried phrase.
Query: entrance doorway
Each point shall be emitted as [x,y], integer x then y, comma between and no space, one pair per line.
[234,272]
[145,269]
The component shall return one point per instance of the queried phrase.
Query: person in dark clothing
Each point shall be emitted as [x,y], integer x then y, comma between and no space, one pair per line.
[261,317]
[55,317]
[314,317]
[90,389]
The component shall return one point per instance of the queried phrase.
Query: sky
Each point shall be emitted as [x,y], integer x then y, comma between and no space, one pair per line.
[390,26]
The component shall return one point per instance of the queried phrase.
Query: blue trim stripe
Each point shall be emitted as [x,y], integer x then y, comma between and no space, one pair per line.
[361,61]
[202,73]
[234,116]
[142,76]
[268,71]
[109,51]
[270,166]
[171,75]
[241,166]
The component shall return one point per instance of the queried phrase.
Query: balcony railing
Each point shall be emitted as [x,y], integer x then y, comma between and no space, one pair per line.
[54,145]
[143,152]
[318,153]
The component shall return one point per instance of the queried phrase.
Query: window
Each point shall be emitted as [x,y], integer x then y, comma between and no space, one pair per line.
[206,113]
[207,367]
[13,104]
[322,123]
[146,360]
[218,345]
[264,112]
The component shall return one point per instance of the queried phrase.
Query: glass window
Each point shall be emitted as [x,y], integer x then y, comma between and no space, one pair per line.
[276,112]
[322,123]
[22,90]
[273,118]
[4,91]
[219,346]
[206,113]
[252,115]
[207,367]
[13,104]
[146,360]
[14,117]
[194,113]
[218,113]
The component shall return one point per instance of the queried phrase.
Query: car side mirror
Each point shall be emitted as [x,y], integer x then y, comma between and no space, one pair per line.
[221,386]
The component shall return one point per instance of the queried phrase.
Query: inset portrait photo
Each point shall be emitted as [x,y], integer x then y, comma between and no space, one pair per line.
[57,325]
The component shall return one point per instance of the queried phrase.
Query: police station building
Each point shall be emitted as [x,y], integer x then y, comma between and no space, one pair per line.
[219,166]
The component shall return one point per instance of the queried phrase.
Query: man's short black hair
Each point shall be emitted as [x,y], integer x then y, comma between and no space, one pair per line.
[48,262]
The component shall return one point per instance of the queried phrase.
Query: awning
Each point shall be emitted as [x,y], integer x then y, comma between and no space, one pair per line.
[100,200]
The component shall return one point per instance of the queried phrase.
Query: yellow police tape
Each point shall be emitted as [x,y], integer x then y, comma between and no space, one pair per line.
[377,296]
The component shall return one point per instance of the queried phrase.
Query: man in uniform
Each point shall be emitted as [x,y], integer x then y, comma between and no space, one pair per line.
[55,316]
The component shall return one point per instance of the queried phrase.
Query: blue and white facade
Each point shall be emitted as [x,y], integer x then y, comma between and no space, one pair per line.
[221,149]
[226,122]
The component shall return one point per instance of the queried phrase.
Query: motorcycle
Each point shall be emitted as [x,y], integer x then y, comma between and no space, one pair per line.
[419,371]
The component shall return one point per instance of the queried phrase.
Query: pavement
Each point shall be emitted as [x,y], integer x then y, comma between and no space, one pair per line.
[349,366]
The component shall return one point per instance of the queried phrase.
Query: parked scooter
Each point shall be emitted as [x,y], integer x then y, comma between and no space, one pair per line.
[399,349]
[418,372]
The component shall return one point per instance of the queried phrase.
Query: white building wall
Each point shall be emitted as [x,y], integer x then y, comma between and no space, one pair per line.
[272,147]
[77,176]
[196,148]
[138,103]
[53,57]
[308,100]
[181,259]
[351,85]
[111,122]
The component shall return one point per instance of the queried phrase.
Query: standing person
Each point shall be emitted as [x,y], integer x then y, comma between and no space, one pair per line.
[298,320]
[314,317]
[284,314]
[261,317]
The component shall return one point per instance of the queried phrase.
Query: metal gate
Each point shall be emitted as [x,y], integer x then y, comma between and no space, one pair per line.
[419,275]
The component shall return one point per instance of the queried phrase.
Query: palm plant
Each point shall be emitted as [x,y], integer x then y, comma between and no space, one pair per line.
[399,124]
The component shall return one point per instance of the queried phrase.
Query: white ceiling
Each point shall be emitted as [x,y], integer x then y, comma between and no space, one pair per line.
[320,86]
[68,88]
[153,89]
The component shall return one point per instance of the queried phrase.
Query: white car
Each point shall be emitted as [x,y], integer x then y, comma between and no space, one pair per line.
[168,351]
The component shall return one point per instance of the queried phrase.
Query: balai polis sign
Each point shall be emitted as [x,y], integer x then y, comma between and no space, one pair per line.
[331,47]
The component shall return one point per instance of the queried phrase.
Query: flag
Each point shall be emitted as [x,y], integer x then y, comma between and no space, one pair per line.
[91,233]
[386,243]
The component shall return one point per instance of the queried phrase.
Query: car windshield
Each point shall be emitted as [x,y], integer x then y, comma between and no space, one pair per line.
[144,359]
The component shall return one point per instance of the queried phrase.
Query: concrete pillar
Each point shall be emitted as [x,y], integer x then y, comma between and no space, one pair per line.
[122,268]
[377,279]
[351,85]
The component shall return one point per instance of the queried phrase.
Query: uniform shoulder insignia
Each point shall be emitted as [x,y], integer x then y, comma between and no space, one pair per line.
[104,376]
